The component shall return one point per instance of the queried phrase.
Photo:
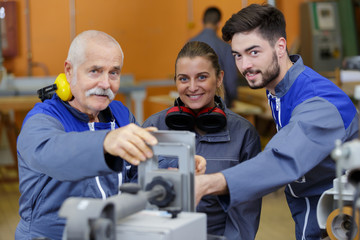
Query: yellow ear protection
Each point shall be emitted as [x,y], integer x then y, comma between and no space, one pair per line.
[61,86]
[209,120]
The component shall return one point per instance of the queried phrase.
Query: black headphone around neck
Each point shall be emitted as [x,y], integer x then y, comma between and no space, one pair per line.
[210,120]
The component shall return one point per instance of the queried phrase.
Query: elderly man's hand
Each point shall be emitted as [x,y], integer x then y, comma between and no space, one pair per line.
[130,143]
[200,165]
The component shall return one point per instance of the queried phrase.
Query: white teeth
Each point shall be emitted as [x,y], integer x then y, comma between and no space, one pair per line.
[194,96]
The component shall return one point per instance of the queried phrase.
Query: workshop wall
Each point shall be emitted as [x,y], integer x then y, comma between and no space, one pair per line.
[150,32]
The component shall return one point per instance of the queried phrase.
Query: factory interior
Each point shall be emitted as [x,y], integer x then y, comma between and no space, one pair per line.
[36,34]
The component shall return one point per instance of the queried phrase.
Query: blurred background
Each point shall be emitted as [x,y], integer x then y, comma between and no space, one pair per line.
[36,34]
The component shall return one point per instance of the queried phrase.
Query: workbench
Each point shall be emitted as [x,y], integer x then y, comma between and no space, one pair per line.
[20,95]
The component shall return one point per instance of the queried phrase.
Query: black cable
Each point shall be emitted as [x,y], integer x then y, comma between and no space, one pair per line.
[46,92]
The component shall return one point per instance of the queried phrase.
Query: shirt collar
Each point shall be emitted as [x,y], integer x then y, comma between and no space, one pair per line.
[104,116]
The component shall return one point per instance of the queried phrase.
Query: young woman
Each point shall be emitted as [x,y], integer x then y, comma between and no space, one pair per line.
[224,138]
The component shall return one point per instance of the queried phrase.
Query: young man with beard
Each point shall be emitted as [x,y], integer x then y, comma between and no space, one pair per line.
[310,113]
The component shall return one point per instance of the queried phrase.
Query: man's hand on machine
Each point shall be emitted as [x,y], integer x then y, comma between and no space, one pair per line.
[130,143]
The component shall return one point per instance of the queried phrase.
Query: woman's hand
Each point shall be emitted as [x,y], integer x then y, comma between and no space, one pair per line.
[200,165]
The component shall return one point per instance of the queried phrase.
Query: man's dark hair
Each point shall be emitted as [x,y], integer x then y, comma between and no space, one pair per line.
[266,19]
[212,15]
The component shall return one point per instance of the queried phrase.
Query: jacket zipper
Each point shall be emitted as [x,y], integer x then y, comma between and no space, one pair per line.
[103,195]
[120,175]
[278,127]
[277,109]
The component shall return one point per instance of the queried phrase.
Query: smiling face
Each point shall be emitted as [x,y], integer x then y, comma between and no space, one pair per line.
[95,81]
[256,59]
[196,82]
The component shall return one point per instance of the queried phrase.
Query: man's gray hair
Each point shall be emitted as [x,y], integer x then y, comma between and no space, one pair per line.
[76,54]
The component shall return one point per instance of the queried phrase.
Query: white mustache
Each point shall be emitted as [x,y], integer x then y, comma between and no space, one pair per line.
[100,91]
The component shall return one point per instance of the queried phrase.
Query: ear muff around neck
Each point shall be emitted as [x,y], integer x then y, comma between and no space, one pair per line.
[209,120]
[61,86]
[180,117]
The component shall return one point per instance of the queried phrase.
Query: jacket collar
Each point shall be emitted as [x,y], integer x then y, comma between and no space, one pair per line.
[291,75]
[104,116]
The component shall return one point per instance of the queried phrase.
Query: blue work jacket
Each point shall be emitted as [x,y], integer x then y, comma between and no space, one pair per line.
[60,155]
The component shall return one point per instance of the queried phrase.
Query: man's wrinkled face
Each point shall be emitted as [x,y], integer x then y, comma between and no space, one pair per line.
[95,81]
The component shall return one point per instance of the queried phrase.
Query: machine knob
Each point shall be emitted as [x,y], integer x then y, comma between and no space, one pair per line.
[166,186]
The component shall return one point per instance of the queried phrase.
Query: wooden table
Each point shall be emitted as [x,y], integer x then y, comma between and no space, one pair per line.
[163,99]
[246,110]
[8,105]
[255,97]
[17,103]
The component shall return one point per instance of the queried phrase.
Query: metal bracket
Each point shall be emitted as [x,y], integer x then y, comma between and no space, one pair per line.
[180,144]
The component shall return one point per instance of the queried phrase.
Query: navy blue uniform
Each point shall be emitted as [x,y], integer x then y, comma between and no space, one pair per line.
[310,113]
[55,163]
[231,146]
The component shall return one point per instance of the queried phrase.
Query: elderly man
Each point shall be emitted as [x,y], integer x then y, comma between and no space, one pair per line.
[78,148]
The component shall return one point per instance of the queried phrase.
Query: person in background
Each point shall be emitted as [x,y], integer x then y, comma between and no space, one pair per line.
[211,24]
[310,112]
[223,138]
[78,147]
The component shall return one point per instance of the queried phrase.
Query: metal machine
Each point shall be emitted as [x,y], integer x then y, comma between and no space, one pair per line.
[338,207]
[167,195]
[321,43]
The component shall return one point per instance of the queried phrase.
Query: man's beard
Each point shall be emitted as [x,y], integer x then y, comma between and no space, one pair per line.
[271,73]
